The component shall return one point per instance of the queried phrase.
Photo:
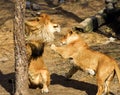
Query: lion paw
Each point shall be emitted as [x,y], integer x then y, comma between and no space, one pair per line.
[53,46]
[45,90]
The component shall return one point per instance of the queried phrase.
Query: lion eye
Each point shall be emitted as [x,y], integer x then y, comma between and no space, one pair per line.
[71,32]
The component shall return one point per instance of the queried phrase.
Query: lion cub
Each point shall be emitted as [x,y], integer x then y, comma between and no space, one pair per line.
[88,60]
[38,73]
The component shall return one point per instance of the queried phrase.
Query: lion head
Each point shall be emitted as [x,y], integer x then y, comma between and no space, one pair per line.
[69,37]
[72,37]
[41,28]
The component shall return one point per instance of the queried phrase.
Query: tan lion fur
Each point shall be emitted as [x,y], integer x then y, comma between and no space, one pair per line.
[37,70]
[93,62]
[41,27]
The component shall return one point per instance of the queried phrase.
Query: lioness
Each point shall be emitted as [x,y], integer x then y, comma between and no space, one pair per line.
[88,60]
[38,73]
[41,27]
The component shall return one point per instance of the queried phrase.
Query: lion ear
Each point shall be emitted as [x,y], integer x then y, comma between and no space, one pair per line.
[70,32]
[37,19]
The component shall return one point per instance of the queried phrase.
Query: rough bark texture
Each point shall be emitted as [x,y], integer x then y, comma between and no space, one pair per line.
[21,75]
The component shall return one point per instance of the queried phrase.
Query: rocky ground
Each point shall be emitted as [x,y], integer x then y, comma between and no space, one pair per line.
[67,15]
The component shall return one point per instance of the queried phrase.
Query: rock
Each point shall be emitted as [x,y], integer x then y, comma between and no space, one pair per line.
[33,6]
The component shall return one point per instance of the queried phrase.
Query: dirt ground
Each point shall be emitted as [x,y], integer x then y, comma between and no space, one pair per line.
[67,15]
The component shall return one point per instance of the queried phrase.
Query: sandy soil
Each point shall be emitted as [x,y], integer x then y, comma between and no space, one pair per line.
[67,15]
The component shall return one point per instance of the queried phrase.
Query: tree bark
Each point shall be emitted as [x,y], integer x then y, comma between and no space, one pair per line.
[21,63]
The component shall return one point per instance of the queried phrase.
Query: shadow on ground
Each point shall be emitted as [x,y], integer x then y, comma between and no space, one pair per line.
[61,11]
[90,89]
[7,82]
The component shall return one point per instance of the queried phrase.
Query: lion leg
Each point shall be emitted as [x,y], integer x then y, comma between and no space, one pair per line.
[103,83]
[71,72]
[100,88]
[45,80]
[107,82]
[100,83]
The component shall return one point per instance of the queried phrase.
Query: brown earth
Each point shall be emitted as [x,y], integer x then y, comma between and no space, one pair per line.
[67,15]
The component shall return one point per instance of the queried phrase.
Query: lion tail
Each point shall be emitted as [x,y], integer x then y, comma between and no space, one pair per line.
[117,71]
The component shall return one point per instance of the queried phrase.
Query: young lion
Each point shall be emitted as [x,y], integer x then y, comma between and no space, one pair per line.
[41,28]
[38,73]
[90,61]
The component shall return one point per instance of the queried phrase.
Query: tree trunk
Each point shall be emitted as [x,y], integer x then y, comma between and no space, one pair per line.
[21,63]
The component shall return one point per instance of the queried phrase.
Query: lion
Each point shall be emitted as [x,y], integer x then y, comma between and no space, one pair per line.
[88,60]
[38,73]
[41,27]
